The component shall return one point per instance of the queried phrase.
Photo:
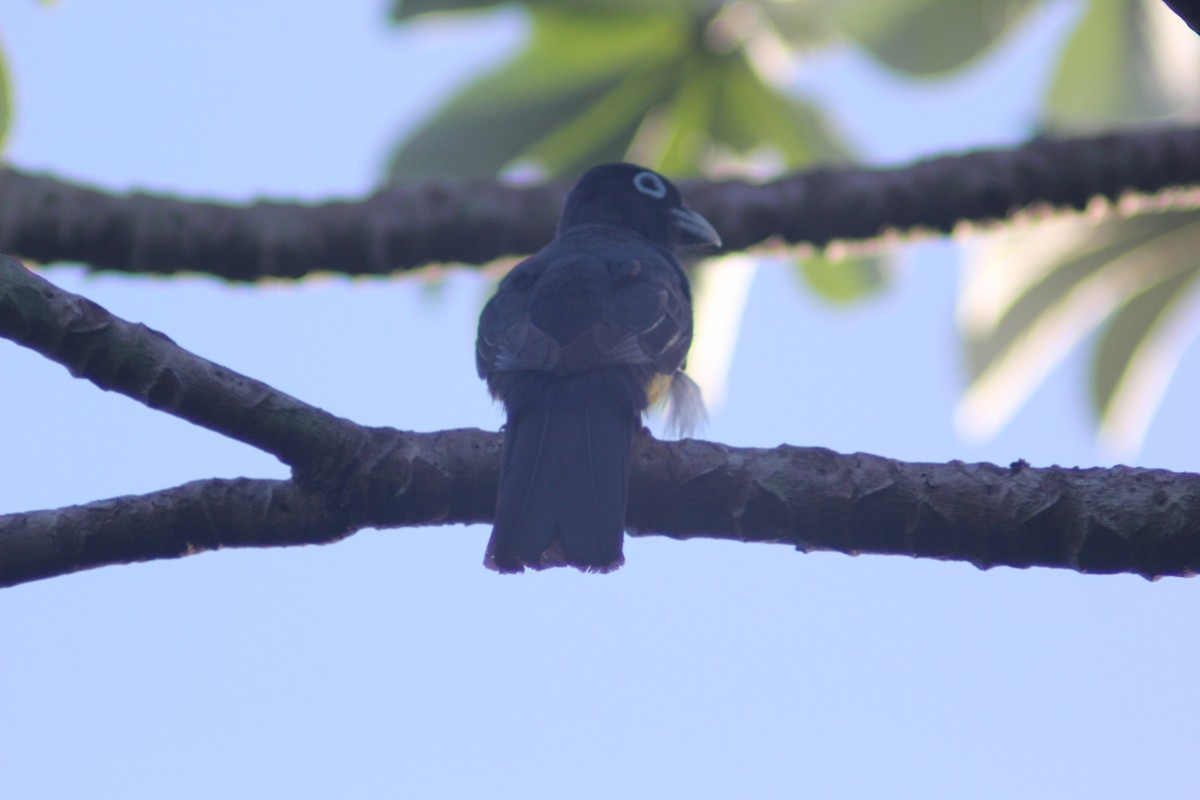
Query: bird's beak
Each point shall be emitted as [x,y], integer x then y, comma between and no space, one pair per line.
[694,230]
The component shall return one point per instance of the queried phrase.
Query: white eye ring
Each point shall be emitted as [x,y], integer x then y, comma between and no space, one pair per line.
[650,184]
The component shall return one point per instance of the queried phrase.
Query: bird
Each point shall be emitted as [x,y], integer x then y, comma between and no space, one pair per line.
[577,341]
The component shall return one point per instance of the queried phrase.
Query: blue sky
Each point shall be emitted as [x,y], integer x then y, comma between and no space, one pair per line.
[393,664]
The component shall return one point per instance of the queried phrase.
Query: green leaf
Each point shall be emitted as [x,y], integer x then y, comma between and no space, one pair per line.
[1035,295]
[573,68]
[603,130]
[753,114]
[843,280]
[926,37]
[799,24]
[1139,346]
[1113,67]
[722,102]
[1060,260]
[681,137]
[403,10]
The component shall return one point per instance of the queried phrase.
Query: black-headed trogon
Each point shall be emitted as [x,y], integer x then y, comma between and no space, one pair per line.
[577,341]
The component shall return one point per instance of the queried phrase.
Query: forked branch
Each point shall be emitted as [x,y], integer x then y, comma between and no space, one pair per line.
[347,477]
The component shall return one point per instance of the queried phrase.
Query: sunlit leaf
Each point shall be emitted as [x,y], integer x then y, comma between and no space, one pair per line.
[1125,333]
[1033,296]
[1127,60]
[925,37]
[1141,343]
[569,67]
[1066,254]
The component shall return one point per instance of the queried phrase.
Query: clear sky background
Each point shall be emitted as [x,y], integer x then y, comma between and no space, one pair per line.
[393,664]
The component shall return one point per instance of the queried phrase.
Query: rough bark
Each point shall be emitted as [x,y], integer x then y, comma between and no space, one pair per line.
[1140,521]
[403,227]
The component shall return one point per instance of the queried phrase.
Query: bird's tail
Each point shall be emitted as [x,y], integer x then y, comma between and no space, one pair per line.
[563,488]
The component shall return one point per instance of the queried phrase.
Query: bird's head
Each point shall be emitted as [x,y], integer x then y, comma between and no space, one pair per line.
[639,199]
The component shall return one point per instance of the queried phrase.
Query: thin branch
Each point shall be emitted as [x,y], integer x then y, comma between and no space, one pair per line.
[407,226]
[141,363]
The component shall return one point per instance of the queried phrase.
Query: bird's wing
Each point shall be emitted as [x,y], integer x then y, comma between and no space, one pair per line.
[567,310]
[507,339]
[646,319]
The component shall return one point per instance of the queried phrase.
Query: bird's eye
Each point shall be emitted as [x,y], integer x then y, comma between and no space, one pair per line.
[650,184]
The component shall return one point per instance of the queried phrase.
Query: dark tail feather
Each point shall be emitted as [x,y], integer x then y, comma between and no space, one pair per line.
[563,489]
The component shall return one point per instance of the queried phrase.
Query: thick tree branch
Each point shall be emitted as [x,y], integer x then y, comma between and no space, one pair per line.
[348,477]
[404,227]
[1122,519]
[1140,521]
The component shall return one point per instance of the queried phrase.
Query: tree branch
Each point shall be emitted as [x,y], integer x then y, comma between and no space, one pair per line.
[1186,10]
[1140,521]
[404,227]
[141,363]
[193,518]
